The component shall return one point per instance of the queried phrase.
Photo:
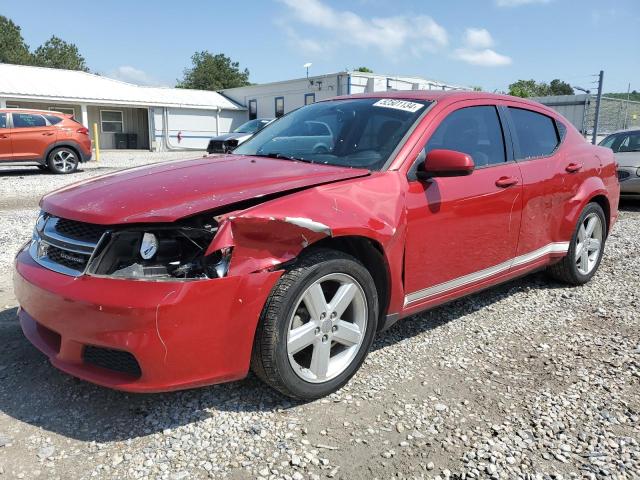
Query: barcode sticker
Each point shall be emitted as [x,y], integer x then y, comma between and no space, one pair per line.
[404,105]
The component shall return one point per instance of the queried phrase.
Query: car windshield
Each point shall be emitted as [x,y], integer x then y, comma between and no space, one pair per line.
[623,142]
[360,132]
[251,126]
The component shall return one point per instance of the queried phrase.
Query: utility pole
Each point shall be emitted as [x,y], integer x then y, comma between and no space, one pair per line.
[626,110]
[594,139]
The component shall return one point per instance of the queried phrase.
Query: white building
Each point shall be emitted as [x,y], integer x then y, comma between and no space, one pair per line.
[269,100]
[127,115]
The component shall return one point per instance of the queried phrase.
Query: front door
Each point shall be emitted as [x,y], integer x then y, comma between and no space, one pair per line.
[463,230]
[5,138]
[31,135]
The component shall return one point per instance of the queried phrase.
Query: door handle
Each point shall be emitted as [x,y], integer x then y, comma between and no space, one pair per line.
[573,167]
[48,134]
[4,136]
[504,182]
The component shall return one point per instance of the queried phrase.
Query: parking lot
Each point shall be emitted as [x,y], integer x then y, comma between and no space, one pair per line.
[527,379]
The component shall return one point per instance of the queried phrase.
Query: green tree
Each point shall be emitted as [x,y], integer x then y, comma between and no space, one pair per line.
[558,87]
[13,49]
[528,88]
[213,72]
[477,88]
[56,53]
[363,70]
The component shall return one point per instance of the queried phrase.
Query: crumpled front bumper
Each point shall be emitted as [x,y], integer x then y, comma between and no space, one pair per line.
[182,334]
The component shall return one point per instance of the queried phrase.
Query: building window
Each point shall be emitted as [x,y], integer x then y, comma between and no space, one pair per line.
[279,106]
[253,109]
[12,105]
[66,110]
[309,98]
[111,121]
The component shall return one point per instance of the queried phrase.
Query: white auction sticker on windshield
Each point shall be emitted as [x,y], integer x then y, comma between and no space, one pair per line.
[404,105]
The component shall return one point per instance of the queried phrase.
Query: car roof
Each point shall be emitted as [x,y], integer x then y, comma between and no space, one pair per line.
[436,95]
[628,130]
[31,110]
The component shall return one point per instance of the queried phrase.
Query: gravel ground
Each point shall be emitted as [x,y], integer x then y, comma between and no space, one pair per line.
[527,380]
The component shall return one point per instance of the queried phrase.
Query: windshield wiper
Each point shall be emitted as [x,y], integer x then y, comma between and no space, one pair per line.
[282,157]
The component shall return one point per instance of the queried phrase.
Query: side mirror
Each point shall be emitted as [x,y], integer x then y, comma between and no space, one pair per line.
[445,163]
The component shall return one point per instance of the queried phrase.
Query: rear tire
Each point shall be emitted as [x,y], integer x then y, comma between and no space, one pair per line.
[63,160]
[585,249]
[308,344]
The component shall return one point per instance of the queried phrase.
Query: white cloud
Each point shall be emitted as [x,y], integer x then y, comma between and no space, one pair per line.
[387,34]
[518,3]
[127,73]
[478,38]
[484,58]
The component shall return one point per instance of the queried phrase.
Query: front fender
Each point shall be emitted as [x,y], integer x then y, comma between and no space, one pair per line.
[268,235]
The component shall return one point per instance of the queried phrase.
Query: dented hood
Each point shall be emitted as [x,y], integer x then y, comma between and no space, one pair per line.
[169,191]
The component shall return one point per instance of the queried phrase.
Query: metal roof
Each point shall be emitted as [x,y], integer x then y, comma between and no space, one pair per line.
[38,83]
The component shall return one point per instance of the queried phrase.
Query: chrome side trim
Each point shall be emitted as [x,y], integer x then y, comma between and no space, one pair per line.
[557,247]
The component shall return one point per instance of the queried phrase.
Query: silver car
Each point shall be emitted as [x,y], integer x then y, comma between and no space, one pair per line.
[626,147]
[229,141]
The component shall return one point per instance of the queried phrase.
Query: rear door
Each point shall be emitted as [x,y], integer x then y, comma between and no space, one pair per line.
[31,135]
[550,178]
[463,230]
[5,137]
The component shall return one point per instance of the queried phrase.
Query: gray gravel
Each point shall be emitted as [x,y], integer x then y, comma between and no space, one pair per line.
[528,380]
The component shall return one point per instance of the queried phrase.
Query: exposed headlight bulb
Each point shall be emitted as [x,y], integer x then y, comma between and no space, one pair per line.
[149,246]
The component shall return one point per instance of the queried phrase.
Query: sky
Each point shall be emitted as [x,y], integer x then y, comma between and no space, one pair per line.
[486,43]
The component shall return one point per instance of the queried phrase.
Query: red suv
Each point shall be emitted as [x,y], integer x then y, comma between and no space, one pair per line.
[289,258]
[43,138]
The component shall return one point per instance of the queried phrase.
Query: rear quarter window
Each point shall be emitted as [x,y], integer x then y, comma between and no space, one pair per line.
[536,133]
[53,120]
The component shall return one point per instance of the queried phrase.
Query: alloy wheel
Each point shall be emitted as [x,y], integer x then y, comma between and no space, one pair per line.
[64,161]
[589,243]
[324,337]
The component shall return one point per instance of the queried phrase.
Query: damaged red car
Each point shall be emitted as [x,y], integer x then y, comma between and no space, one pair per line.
[288,256]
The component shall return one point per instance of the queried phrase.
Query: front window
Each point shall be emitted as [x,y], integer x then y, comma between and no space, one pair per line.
[111,121]
[361,133]
[251,126]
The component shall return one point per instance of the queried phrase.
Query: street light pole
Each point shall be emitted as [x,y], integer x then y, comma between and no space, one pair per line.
[594,138]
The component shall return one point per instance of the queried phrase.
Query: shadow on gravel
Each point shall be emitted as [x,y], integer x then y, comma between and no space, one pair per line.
[34,392]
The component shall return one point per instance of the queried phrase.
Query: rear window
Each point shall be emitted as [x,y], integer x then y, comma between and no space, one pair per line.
[536,133]
[53,120]
[28,120]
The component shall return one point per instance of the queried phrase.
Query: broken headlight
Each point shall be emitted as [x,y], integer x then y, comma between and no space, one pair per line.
[161,253]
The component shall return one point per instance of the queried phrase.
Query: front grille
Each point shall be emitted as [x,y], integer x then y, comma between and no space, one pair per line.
[110,359]
[72,260]
[623,175]
[65,246]
[86,232]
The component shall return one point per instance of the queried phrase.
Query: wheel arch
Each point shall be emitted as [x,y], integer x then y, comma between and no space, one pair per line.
[63,144]
[370,253]
[603,201]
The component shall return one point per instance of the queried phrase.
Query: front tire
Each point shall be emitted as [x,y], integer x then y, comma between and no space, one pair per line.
[586,248]
[62,160]
[317,326]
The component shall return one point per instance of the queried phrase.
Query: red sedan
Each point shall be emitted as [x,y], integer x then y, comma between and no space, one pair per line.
[329,225]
